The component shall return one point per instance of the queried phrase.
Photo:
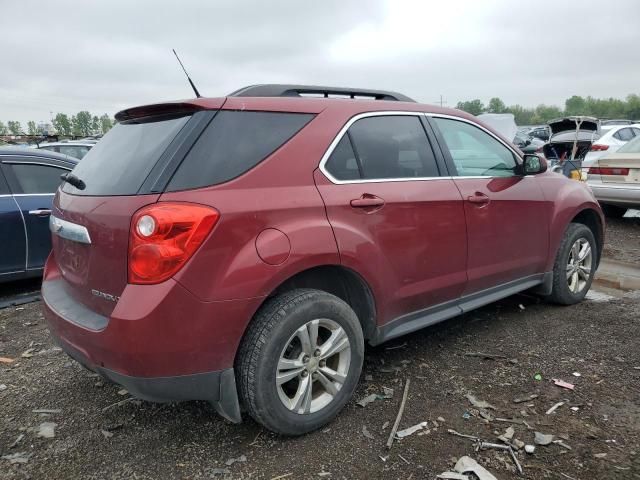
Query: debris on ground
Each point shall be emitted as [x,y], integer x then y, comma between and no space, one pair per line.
[479,403]
[576,374]
[483,355]
[367,400]
[529,448]
[507,436]
[123,392]
[7,360]
[563,384]
[411,430]
[219,471]
[28,353]
[542,439]
[469,465]
[462,435]
[562,444]
[47,410]
[537,377]
[600,455]
[395,347]
[106,433]
[367,433]
[396,424]
[387,392]
[2,387]
[528,398]
[554,408]
[231,461]
[19,457]
[47,430]
[452,476]
[17,441]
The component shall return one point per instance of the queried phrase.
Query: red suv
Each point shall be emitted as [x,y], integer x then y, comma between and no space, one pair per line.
[241,250]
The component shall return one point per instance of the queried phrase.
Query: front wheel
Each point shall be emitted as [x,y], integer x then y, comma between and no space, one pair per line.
[575,265]
[300,361]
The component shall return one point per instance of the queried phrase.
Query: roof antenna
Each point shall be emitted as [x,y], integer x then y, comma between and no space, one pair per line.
[185,72]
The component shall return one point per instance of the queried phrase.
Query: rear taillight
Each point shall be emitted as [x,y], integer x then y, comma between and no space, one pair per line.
[598,147]
[608,171]
[164,236]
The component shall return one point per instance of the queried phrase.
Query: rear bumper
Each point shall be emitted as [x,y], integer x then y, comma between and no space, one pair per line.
[160,342]
[621,195]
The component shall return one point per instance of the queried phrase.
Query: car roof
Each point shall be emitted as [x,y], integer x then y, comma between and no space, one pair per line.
[34,152]
[73,143]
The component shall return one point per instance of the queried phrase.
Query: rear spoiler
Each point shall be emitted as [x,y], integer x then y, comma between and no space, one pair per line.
[177,108]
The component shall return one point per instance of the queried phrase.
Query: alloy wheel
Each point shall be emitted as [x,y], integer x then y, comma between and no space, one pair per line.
[579,265]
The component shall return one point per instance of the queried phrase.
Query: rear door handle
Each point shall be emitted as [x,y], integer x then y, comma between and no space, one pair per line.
[41,212]
[478,198]
[367,201]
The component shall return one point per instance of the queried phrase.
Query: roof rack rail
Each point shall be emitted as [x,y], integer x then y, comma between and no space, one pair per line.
[278,90]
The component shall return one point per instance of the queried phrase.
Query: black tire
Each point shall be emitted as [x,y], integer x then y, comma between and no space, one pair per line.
[613,211]
[561,292]
[263,343]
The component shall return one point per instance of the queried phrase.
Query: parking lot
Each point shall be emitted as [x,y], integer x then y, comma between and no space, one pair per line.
[494,354]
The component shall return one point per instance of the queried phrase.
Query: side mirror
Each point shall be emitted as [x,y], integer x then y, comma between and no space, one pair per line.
[533,164]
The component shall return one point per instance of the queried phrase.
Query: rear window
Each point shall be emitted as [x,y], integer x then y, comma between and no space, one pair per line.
[119,163]
[233,143]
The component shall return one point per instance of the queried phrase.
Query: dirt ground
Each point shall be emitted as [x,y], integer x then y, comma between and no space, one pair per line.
[99,434]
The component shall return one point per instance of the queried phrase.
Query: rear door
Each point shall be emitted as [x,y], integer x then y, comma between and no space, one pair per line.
[395,218]
[34,181]
[13,253]
[506,214]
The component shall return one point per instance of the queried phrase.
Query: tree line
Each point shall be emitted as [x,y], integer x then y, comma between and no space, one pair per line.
[82,124]
[628,108]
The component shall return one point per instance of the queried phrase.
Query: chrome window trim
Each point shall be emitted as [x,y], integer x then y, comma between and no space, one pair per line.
[386,113]
[68,230]
[16,162]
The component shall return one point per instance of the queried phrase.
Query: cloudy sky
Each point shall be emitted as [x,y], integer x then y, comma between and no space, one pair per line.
[63,56]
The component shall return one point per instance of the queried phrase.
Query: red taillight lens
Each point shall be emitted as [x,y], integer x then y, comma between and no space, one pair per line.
[164,236]
[608,171]
[597,147]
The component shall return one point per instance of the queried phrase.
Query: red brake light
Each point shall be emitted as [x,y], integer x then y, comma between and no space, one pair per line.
[608,171]
[164,236]
[598,147]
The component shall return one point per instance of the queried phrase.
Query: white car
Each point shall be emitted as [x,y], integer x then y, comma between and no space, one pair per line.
[74,149]
[610,141]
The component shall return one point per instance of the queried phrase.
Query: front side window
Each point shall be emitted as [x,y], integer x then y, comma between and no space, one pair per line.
[474,152]
[383,147]
[37,178]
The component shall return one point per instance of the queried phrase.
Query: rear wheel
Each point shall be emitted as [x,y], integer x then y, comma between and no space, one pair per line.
[575,265]
[300,361]
[613,211]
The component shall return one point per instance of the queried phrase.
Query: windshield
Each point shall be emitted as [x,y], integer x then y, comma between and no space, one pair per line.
[121,161]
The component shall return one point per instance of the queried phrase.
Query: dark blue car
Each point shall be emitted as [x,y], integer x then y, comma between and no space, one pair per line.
[28,180]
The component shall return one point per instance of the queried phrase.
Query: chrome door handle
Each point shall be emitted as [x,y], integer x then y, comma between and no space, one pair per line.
[41,212]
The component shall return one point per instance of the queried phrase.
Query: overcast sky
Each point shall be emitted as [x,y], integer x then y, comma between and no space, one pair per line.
[62,56]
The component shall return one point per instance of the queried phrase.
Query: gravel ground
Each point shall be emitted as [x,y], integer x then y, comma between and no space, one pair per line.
[99,433]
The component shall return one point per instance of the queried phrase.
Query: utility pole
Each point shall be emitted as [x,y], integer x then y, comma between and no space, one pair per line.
[442,102]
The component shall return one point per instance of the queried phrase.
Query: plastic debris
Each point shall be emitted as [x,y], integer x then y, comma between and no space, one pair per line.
[507,436]
[467,464]
[440,419]
[458,434]
[387,392]
[479,403]
[411,430]
[453,476]
[575,409]
[528,398]
[367,400]
[47,410]
[537,377]
[542,439]
[529,448]
[563,384]
[466,415]
[518,444]
[576,374]
[554,408]
[396,424]
[367,433]
[47,430]
[106,433]
[231,461]
[18,457]
[521,306]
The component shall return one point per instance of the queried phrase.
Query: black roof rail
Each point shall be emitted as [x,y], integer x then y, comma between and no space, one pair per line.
[277,90]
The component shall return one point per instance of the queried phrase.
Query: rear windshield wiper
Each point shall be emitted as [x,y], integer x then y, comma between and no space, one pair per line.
[73,180]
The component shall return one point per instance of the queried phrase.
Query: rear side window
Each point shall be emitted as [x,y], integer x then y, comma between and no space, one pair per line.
[624,134]
[120,162]
[37,178]
[78,151]
[387,147]
[233,143]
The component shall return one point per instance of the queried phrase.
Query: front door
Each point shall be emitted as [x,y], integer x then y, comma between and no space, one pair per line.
[396,221]
[507,215]
[13,253]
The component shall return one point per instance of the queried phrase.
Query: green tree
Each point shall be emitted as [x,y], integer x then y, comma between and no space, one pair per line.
[632,107]
[14,127]
[575,105]
[95,125]
[81,123]
[3,129]
[474,107]
[31,128]
[496,105]
[522,115]
[105,123]
[62,124]
[544,113]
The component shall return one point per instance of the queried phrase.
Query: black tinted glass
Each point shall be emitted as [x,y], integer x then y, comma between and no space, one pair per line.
[233,143]
[624,134]
[342,164]
[120,162]
[37,178]
[393,147]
